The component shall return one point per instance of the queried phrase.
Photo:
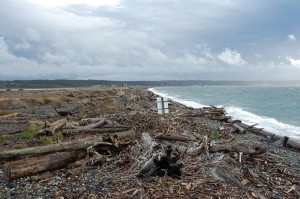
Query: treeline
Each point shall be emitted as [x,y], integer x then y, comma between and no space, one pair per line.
[63,83]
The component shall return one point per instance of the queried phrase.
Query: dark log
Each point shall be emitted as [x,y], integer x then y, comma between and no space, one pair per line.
[221,118]
[174,138]
[31,166]
[281,142]
[63,113]
[72,145]
[162,164]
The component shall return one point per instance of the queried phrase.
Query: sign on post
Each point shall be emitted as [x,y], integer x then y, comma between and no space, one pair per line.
[162,105]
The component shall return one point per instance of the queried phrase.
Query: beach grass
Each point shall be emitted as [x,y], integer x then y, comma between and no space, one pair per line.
[30,132]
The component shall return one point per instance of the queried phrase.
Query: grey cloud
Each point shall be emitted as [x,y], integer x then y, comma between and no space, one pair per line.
[136,40]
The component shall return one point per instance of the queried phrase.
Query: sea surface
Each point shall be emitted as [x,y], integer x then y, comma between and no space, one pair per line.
[276,109]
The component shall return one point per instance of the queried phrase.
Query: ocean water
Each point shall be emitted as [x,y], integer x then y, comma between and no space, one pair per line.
[276,109]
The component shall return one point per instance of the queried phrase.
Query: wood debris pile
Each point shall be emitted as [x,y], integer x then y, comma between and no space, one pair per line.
[189,153]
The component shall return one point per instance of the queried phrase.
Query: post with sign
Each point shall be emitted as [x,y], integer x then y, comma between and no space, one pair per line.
[162,105]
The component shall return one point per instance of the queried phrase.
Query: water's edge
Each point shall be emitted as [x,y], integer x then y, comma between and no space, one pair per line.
[267,123]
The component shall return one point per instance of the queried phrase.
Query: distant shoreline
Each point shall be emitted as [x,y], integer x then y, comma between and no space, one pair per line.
[39,84]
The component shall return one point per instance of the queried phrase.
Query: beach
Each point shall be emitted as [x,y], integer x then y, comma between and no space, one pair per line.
[215,157]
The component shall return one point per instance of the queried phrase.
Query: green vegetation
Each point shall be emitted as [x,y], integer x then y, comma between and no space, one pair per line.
[214,135]
[30,132]
[21,146]
[59,135]
[46,139]
[3,137]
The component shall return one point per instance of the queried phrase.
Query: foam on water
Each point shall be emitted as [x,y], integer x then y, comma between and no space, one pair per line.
[268,123]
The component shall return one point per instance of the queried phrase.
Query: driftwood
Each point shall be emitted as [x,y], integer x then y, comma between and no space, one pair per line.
[97,124]
[162,164]
[174,138]
[56,125]
[63,113]
[95,130]
[239,128]
[222,118]
[290,143]
[93,156]
[249,147]
[34,165]
[281,142]
[72,145]
[50,129]
[227,176]
[202,147]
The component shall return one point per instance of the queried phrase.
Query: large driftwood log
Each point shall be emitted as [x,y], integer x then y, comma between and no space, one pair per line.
[290,143]
[30,166]
[95,130]
[72,145]
[246,147]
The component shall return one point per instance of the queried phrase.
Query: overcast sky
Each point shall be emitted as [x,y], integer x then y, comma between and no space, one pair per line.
[150,39]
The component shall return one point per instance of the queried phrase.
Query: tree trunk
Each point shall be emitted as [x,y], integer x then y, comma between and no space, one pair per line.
[72,145]
[30,166]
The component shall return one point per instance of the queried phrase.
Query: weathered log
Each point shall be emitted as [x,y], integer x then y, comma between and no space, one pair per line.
[290,143]
[202,147]
[72,145]
[221,118]
[55,125]
[239,128]
[30,166]
[249,147]
[174,138]
[227,176]
[97,124]
[95,130]
[49,129]
[195,151]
